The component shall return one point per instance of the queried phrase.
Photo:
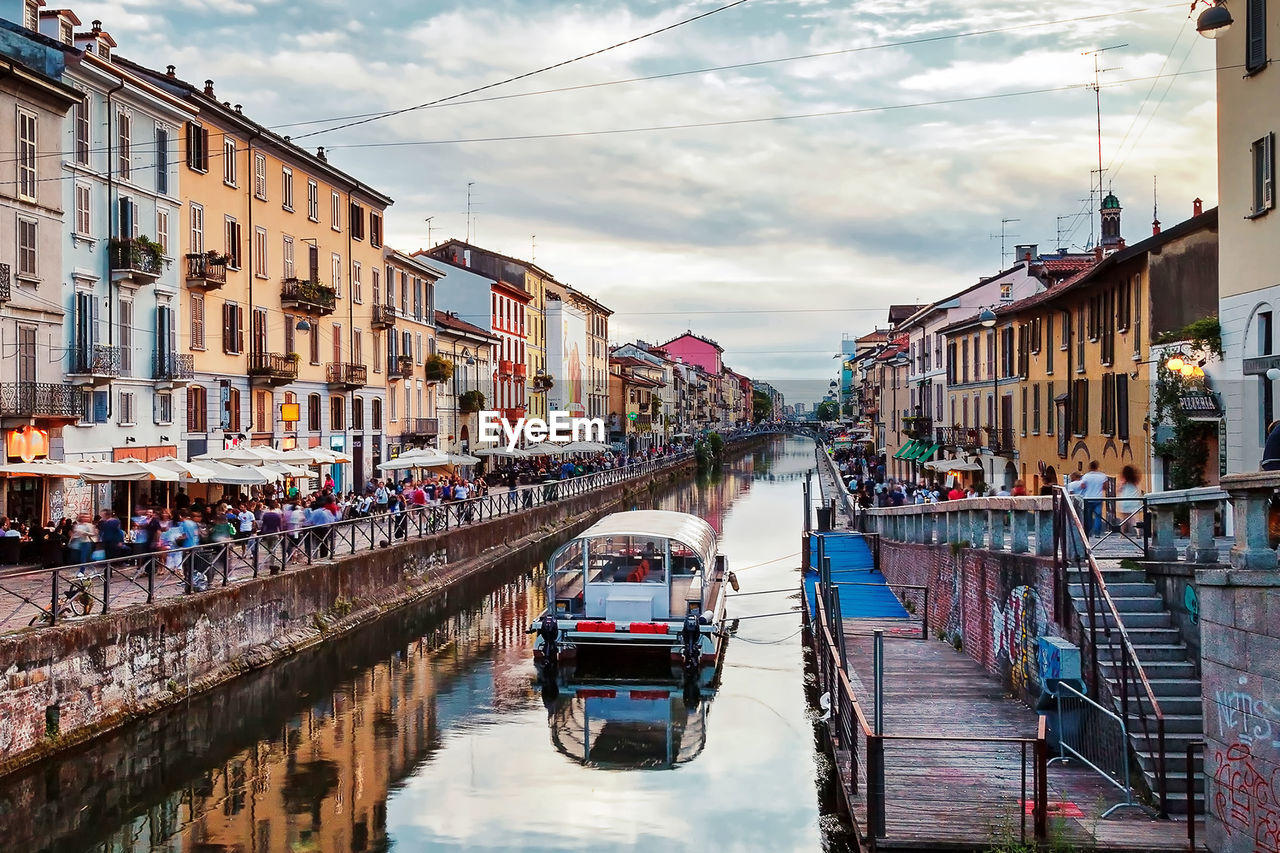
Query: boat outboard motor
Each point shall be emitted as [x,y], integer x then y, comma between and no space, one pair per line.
[691,635]
[549,630]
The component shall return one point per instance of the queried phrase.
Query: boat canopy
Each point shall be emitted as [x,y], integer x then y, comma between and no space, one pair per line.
[682,527]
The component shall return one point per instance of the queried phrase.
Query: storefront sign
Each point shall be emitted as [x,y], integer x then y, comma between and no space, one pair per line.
[27,443]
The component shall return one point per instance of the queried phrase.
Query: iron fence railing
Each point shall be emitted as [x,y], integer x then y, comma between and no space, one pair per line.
[173,366]
[384,316]
[40,399]
[135,256]
[207,270]
[346,373]
[6,282]
[422,427]
[96,360]
[308,296]
[47,596]
[966,438]
[273,365]
[1097,737]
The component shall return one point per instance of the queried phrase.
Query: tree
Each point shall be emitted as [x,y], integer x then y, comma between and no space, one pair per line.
[761,406]
[828,411]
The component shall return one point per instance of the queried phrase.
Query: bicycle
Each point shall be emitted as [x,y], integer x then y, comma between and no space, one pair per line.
[77,600]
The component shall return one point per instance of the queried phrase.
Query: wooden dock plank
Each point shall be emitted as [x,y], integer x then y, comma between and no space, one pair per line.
[964,795]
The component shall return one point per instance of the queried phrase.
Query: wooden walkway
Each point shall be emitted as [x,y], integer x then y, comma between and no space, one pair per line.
[965,794]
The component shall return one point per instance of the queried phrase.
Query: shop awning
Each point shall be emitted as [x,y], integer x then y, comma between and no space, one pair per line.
[906,449]
[927,448]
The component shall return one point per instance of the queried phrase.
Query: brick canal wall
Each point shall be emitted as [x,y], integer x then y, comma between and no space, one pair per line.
[63,685]
[993,605]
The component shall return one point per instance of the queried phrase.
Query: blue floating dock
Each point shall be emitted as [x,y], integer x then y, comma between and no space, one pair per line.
[853,563]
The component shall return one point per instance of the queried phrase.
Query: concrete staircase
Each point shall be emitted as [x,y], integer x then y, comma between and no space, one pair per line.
[1171,671]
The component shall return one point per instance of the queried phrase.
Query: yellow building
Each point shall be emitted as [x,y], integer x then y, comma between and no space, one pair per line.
[283,259]
[408,314]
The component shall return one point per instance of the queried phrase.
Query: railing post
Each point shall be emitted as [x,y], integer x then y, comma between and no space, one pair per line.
[1251,504]
[53,600]
[995,526]
[977,528]
[1162,533]
[1044,532]
[1203,549]
[927,516]
[1019,534]
[942,526]
[106,587]
[875,786]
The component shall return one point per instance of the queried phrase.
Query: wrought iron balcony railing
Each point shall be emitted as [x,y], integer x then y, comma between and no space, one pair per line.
[41,400]
[918,427]
[275,367]
[384,316]
[207,271]
[420,427]
[310,296]
[345,373]
[6,282]
[135,259]
[965,438]
[95,360]
[1000,441]
[173,367]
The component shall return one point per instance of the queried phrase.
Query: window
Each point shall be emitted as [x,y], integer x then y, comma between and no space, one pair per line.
[376,283]
[313,201]
[286,188]
[162,230]
[126,408]
[197,229]
[337,414]
[232,328]
[197,147]
[313,412]
[337,342]
[65,32]
[27,253]
[1080,339]
[1107,419]
[335,211]
[335,269]
[80,117]
[355,215]
[127,225]
[261,405]
[260,252]
[286,257]
[375,230]
[1264,169]
[315,343]
[375,413]
[233,243]
[124,145]
[229,161]
[1025,413]
[1048,344]
[125,322]
[1035,409]
[1122,406]
[197,409]
[1006,292]
[357,346]
[162,160]
[162,408]
[377,352]
[27,155]
[1080,407]
[260,176]
[84,203]
[232,415]
[1049,404]
[31,15]
[357,286]
[197,321]
[1255,53]
[357,414]
[391,401]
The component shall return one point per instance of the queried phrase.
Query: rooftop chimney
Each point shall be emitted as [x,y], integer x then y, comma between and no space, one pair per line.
[97,26]
[1155,227]
[238,108]
[1197,207]
[171,70]
[321,155]
[208,88]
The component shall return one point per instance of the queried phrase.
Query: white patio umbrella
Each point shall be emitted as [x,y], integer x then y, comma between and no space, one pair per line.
[461,459]
[286,469]
[547,448]
[424,458]
[242,456]
[583,447]
[130,471]
[40,468]
[190,470]
[498,450]
[238,475]
[313,456]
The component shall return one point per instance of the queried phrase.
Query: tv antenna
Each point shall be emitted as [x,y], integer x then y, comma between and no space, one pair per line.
[1003,236]
[1098,71]
[471,184]
[429,243]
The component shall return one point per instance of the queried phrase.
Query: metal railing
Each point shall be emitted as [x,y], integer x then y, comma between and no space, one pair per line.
[96,360]
[273,365]
[136,257]
[40,399]
[999,440]
[6,283]
[47,596]
[1101,741]
[206,270]
[1103,627]
[308,295]
[347,373]
[425,427]
[384,316]
[173,366]
[968,438]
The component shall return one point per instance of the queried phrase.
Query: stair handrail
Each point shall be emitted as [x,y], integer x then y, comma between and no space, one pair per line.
[1096,589]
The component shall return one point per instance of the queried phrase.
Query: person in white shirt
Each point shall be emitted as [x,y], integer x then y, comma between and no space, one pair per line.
[1093,487]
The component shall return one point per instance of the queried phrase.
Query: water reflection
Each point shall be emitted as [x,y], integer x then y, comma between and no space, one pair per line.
[427,731]
[618,726]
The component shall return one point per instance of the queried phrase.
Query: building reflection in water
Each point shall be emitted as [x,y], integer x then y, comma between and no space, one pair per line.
[629,726]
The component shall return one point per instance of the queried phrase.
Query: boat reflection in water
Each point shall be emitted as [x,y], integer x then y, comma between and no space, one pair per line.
[629,726]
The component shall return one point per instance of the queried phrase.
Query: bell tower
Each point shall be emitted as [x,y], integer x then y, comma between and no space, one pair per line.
[1111,239]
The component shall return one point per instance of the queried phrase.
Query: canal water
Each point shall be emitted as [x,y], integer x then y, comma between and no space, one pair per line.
[427,731]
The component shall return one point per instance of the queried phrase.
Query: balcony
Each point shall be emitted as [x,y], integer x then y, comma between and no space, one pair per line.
[173,368]
[347,375]
[309,296]
[134,259]
[917,427]
[41,401]
[963,438]
[206,271]
[643,422]
[521,371]
[505,367]
[94,365]
[6,283]
[384,316]
[276,368]
[401,368]
[419,428]
[1000,441]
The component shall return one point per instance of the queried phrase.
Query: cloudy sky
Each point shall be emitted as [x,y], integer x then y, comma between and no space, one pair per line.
[773,237]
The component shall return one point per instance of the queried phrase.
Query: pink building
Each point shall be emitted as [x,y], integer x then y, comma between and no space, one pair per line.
[695,349]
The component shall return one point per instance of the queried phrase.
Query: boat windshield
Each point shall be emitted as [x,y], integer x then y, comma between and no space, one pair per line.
[627,559]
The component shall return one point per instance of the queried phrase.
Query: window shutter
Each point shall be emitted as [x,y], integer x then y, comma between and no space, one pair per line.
[191,414]
[1268,171]
[1256,36]
[1122,406]
[239,318]
[228,329]
[191,144]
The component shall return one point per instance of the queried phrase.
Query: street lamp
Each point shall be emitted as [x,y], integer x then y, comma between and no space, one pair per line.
[1215,20]
[987,319]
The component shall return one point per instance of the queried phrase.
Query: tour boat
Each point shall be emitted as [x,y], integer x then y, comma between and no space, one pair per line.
[646,581]
[629,726]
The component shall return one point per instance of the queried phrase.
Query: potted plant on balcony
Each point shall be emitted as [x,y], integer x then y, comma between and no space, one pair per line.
[543,381]
[470,402]
[438,368]
[137,253]
[295,357]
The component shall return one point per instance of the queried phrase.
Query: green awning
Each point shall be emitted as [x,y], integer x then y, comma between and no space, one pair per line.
[926,450]
[906,448]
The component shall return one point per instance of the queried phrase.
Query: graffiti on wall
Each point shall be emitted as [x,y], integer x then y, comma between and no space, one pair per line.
[1244,799]
[1015,631]
[953,630]
[1191,601]
[1245,717]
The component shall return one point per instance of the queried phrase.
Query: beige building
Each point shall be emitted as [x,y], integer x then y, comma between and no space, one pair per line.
[407,313]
